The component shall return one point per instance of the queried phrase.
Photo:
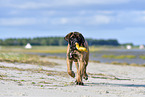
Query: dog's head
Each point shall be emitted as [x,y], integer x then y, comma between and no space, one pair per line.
[74,37]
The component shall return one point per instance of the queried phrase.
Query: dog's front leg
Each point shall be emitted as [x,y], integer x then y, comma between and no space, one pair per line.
[69,68]
[80,73]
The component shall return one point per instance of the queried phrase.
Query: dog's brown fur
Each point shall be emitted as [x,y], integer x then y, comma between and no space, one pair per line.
[80,58]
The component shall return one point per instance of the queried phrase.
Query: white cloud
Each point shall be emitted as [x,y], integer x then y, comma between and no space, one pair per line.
[13,12]
[48,13]
[130,17]
[120,18]
[92,12]
[59,21]
[143,18]
[73,2]
[63,20]
[102,19]
[17,21]
[87,20]
[30,4]
[140,16]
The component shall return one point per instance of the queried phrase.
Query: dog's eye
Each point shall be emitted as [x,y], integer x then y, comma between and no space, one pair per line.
[72,37]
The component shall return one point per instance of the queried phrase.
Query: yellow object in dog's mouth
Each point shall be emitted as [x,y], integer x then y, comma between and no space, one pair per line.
[80,48]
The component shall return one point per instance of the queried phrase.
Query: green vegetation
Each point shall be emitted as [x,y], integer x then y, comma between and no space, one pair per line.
[33,83]
[35,49]
[102,48]
[23,58]
[109,42]
[52,41]
[123,57]
[119,56]
[142,57]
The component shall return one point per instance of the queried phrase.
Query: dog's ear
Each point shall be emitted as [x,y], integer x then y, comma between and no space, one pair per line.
[82,40]
[68,36]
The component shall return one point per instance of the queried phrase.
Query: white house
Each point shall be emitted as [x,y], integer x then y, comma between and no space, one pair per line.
[141,47]
[128,47]
[28,46]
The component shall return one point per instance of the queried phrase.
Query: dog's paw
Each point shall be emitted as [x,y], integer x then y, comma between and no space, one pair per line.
[79,83]
[71,73]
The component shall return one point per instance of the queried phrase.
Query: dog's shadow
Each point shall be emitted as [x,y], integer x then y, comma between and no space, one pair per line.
[114,84]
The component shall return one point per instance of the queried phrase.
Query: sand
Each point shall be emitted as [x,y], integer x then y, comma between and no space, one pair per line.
[105,80]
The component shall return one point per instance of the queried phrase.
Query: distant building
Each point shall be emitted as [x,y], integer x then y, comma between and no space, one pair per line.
[28,46]
[128,47]
[141,47]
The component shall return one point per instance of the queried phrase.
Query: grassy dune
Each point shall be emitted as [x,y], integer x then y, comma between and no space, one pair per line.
[36,49]
[23,58]
[119,56]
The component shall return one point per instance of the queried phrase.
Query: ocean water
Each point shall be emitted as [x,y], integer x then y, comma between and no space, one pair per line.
[97,56]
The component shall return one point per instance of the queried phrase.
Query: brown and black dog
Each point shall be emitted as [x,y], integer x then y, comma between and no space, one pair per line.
[80,58]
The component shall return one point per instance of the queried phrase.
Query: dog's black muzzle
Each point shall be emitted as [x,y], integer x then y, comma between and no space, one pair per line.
[72,44]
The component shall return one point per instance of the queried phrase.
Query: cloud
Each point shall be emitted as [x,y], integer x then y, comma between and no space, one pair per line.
[79,18]
[37,4]
[130,17]
[17,21]
[59,21]
[102,19]
[86,2]
[86,20]
[28,5]
[20,13]
[140,16]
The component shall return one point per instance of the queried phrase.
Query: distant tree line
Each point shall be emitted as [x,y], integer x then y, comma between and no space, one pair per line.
[52,41]
[111,42]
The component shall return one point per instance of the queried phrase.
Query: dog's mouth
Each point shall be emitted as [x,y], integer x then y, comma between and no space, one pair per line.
[73,55]
[74,45]
[73,42]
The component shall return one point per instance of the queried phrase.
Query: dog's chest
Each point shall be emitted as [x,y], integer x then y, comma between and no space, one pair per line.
[74,55]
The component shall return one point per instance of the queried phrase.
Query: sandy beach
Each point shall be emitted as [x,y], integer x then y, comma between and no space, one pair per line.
[105,80]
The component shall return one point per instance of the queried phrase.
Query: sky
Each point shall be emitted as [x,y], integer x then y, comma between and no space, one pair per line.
[123,20]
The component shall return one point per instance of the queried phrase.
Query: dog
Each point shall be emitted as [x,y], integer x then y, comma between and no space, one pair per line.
[80,58]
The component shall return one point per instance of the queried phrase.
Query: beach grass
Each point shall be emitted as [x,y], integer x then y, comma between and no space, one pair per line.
[35,49]
[142,57]
[23,58]
[119,56]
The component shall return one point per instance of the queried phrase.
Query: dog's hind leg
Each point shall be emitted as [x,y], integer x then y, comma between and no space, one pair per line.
[77,66]
[85,75]
[69,68]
